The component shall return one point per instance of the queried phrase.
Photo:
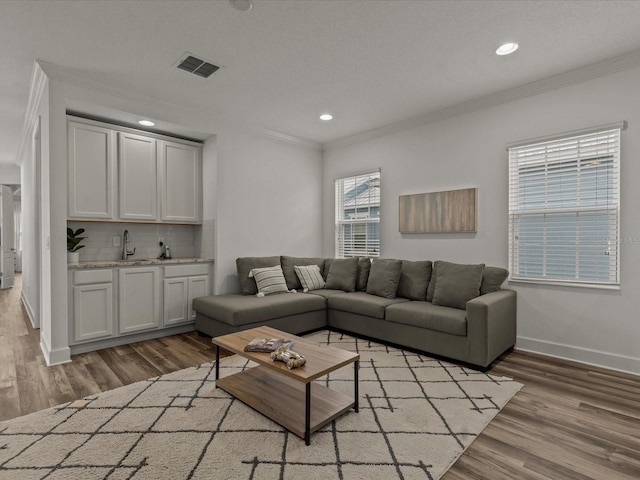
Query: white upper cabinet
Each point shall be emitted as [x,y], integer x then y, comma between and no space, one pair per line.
[92,168]
[138,177]
[181,181]
[118,173]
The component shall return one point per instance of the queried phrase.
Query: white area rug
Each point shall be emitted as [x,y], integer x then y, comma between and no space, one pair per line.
[417,415]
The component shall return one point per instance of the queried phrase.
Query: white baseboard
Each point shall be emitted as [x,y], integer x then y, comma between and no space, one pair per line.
[30,313]
[597,358]
[54,357]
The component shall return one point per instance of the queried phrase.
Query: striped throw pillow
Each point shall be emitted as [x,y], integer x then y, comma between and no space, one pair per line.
[310,277]
[269,280]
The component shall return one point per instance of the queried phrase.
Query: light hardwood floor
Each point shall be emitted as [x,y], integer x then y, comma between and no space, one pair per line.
[570,421]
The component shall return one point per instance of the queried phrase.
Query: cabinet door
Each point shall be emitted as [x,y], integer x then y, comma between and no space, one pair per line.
[198,287]
[92,311]
[181,196]
[138,175]
[91,172]
[175,301]
[139,299]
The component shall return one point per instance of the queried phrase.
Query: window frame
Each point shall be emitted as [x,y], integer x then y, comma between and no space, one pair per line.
[550,211]
[366,222]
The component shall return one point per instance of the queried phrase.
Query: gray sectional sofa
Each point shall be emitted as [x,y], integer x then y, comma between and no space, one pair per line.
[442,308]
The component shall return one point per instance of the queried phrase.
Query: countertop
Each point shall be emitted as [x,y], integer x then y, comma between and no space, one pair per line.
[135,262]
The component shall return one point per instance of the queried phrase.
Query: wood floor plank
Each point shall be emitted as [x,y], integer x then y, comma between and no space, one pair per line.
[570,421]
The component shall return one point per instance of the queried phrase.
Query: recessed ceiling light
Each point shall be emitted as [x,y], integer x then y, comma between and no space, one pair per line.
[326,117]
[146,123]
[507,48]
[242,5]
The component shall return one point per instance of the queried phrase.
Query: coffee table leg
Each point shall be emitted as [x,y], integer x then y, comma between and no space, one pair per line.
[217,364]
[356,367]
[307,414]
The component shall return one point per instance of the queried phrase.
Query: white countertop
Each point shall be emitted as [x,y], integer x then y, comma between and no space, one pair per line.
[135,262]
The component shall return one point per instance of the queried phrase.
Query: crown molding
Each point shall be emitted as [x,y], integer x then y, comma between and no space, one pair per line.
[606,67]
[82,80]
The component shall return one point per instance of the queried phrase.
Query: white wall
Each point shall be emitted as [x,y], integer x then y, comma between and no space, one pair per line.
[9,174]
[269,202]
[589,325]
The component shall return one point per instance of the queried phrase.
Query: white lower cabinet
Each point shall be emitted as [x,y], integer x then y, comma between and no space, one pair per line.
[92,305]
[183,283]
[138,299]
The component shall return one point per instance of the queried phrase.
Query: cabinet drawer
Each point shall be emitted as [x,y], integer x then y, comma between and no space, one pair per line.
[82,277]
[186,270]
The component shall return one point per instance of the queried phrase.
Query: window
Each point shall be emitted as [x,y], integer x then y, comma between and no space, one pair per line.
[564,209]
[357,218]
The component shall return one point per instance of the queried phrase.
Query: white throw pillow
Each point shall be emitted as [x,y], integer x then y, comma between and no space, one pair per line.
[310,277]
[269,280]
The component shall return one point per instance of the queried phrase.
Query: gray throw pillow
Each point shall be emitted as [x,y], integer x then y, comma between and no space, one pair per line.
[414,278]
[456,284]
[245,264]
[288,264]
[492,279]
[364,267]
[343,274]
[384,277]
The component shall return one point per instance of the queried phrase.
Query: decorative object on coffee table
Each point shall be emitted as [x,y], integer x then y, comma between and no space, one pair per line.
[289,357]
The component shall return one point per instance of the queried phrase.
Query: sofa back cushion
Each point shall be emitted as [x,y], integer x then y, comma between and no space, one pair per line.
[384,277]
[245,264]
[288,264]
[492,279]
[414,278]
[364,267]
[456,284]
[342,275]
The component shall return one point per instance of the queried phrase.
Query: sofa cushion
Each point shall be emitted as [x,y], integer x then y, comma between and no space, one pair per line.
[362,303]
[456,284]
[343,273]
[414,278]
[288,264]
[240,310]
[310,277]
[384,277]
[364,267]
[426,315]
[432,282]
[269,280]
[245,264]
[492,279]
[325,292]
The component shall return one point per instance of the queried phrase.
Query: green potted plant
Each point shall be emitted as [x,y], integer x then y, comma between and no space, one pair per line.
[73,244]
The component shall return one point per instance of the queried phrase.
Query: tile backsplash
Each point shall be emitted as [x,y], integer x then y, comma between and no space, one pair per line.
[99,243]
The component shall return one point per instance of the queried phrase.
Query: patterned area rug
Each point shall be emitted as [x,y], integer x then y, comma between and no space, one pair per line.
[417,415]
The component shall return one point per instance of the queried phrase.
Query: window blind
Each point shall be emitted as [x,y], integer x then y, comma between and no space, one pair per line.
[357,215]
[564,209]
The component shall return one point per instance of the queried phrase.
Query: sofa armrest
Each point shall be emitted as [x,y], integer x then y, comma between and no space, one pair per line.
[491,325]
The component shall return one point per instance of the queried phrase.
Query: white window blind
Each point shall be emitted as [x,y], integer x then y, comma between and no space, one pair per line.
[564,209]
[357,215]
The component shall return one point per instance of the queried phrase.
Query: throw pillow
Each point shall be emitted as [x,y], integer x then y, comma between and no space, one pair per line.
[269,280]
[288,264]
[245,264]
[492,279]
[456,284]
[414,278]
[310,277]
[364,267]
[343,274]
[384,277]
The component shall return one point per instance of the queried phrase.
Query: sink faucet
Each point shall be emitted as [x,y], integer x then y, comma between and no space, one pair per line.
[126,253]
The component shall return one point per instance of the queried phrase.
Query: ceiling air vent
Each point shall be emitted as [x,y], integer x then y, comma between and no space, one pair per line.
[198,67]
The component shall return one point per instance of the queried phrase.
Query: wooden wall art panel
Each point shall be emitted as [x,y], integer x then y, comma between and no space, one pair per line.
[439,212]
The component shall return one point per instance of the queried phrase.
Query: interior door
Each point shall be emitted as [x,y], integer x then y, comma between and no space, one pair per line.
[7,256]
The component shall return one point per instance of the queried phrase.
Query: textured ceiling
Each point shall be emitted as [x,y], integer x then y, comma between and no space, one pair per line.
[369,63]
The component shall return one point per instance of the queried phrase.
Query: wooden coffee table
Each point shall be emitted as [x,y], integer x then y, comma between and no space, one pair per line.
[290,398]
